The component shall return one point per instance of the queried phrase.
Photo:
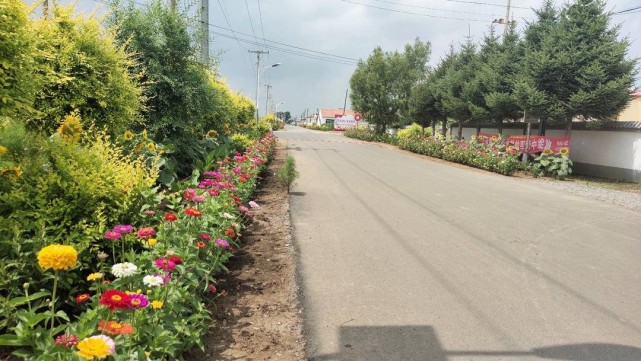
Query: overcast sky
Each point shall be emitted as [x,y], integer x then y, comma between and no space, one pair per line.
[350,29]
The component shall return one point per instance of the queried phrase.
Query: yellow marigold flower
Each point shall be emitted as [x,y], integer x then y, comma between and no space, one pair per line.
[96,347]
[548,151]
[95,276]
[58,257]
[70,128]
[151,147]
[564,151]
[157,304]
[212,134]
[128,135]
[3,150]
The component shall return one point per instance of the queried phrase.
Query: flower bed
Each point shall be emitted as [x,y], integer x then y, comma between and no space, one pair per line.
[146,293]
[495,157]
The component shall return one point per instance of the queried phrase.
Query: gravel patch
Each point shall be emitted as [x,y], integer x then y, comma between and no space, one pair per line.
[625,199]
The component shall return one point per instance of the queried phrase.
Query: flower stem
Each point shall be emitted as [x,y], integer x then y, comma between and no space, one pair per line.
[113,251]
[53,298]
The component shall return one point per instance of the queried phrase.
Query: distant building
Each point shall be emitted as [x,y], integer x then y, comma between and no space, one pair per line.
[633,112]
[330,114]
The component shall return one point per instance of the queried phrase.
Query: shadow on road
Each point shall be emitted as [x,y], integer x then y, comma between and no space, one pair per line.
[420,343]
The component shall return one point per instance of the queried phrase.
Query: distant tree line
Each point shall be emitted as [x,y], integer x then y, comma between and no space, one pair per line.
[568,63]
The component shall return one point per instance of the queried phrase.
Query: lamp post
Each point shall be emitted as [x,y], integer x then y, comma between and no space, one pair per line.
[258,71]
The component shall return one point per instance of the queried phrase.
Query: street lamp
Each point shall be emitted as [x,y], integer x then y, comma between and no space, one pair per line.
[258,71]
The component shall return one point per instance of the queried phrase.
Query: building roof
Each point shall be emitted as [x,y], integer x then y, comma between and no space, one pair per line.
[331,112]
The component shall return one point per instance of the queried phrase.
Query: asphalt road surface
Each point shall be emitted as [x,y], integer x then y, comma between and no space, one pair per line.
[407,258]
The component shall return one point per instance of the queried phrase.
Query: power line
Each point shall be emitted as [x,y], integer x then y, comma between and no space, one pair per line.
[411,13]
[260,15]
[486,4]
[628,11]
[251,23]
[288,51]
[431,8]
[222,9]
[288,45]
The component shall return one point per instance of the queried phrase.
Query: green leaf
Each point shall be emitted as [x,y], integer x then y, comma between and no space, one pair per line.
[12,340]
[19,301]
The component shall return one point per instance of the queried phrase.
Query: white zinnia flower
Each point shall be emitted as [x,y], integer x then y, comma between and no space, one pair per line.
[152,281]
[227,215]
[125,269]
[253,204]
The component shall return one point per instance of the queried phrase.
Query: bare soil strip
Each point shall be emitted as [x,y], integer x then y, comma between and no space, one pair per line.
[259,317]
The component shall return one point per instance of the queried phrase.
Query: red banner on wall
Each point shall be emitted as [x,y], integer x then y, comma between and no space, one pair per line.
[539,143]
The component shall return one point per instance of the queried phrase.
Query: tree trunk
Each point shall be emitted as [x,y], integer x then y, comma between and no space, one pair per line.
[499,127]
[542,127]
[444,128]
[433,127]
[568,128]
[460,130]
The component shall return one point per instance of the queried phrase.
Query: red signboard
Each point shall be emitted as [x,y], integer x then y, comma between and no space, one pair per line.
[539,143]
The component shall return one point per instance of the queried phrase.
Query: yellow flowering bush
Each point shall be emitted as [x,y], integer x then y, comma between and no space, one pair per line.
[57,257]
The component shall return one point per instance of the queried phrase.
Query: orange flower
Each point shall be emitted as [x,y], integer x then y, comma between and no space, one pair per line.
[114,328]
[193,212]
[201,244]
[230,232]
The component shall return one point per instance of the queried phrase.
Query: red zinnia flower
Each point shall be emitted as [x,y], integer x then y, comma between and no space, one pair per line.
[230,232]
[193,212]
[146,232]
[170,217]
[176,260]
[204,237]
[83,298]
[201,244]
[242,179]
[212,288]
[114,299]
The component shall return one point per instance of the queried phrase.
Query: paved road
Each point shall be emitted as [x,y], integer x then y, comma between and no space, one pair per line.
[405,258]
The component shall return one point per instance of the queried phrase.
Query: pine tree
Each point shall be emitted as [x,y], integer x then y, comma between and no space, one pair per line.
[580,69]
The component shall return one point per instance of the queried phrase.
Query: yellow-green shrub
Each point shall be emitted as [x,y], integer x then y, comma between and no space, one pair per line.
[85,72]
[19,76]
[240,142]
[67,193]
[413,131]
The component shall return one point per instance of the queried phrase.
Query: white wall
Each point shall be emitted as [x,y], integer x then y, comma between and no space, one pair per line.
[617,149]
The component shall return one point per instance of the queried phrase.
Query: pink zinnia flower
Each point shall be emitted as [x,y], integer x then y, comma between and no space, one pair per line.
[146,232]
[138,301]
[212,288]
[165,264]
[253,204]
[189,194]
[113,235]
[214,192]
[204,237]
[123,228]
[243,208]
[222,243]
[67,340]
[199,199]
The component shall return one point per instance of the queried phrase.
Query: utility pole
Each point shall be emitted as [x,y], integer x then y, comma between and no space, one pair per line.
[258,54]
[345,104]
[267,98]
[204,25]
[507,19]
